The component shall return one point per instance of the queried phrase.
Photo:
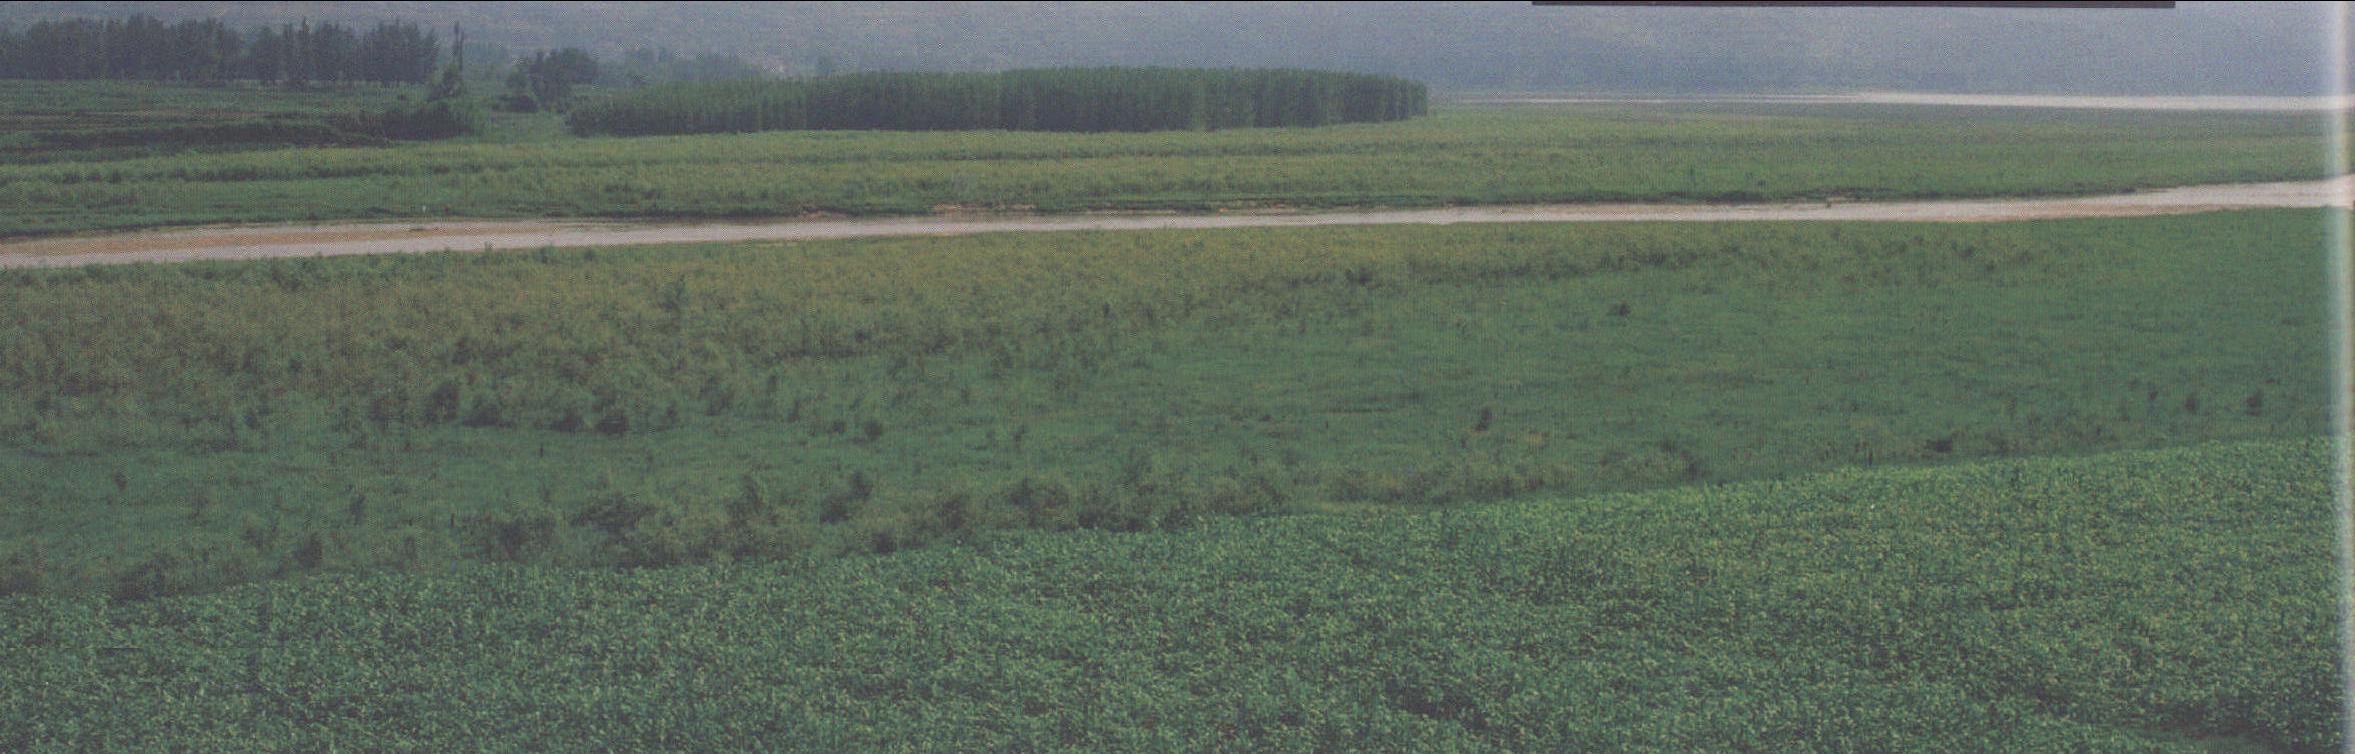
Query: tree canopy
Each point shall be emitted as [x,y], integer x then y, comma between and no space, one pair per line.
[1058,99]
[205,50]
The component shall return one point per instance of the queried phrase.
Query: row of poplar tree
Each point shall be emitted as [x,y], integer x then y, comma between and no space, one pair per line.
[1059,99]
[144,48]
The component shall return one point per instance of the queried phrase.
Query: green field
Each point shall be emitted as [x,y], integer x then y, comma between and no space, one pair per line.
[2159,601]
[527,168]
[43,122]
[2033,486]
[175,428]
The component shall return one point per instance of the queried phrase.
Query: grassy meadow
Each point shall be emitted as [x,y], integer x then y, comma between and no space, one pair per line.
[2176,600]
[169,429]
[526,166]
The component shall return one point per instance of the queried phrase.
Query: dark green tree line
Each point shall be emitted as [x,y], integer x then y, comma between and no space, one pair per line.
[205,50]
[545,81]
[1062,99]
[655,65]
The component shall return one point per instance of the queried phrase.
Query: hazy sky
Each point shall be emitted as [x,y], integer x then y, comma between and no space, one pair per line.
[2237,48]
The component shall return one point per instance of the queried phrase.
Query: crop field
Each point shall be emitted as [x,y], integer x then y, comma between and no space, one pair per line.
[130,102]
[528,168]
[45,122]
[169,429]
[2058,485]
[2176,600]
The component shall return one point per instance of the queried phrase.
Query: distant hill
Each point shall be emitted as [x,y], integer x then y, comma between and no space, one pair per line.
[2199,48]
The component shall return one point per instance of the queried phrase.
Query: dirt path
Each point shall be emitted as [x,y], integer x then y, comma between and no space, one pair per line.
[277,241]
